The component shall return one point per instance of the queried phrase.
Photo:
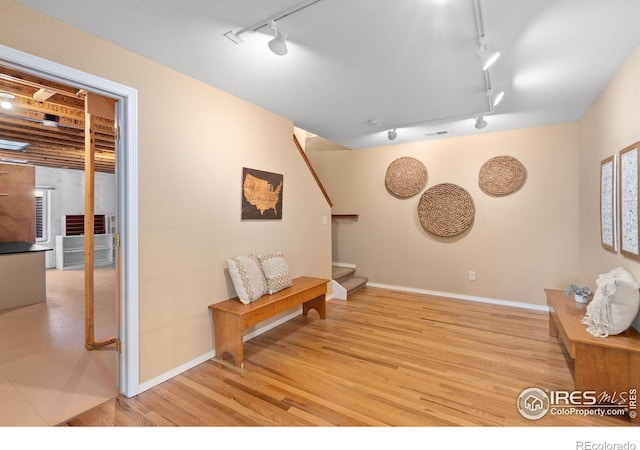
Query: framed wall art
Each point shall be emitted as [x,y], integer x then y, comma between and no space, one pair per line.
[628,201]
[608,200]
[261,194]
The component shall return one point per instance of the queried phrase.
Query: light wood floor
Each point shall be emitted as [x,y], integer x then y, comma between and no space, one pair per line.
[382,358]
[46,375]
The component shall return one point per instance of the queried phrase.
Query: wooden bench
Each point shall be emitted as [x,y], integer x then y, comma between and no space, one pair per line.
[610,364]
[231,317]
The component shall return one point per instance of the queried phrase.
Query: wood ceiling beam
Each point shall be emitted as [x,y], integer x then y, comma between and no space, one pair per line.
[29,109]
[62,163]
[28,92]
[34,135]
[24,79]
[61,146]
[55,146]
[26,105]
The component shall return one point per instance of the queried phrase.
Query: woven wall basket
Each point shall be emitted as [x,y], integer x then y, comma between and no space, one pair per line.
[446,210]
[502,175]
[406,177]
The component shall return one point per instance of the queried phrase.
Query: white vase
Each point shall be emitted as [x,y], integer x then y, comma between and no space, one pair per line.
[580,298]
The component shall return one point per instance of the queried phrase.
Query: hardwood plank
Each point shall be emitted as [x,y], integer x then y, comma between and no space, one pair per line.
[382,358]
[246,403]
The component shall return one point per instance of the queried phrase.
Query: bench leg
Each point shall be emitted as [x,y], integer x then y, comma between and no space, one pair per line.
[318,303]
[228,331]
[553,328]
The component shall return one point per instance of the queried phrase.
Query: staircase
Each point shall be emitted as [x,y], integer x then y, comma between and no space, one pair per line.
[346,279]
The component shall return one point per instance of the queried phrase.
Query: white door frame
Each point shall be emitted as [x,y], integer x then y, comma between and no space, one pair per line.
[127,180]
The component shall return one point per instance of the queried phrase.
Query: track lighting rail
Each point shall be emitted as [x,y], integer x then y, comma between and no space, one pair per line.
[236,36]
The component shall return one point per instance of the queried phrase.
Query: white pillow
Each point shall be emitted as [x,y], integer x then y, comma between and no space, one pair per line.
[248,278]
[615,304]
[276,271]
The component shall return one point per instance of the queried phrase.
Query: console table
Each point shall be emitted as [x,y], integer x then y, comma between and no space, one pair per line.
[610,364]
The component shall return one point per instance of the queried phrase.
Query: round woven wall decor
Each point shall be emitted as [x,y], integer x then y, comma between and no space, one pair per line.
[406,177]
[446,210]
[502,175]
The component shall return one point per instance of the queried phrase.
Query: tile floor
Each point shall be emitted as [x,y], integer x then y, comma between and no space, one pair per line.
[46,375]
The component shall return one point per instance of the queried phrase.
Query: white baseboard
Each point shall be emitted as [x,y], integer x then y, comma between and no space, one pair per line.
[463,297]
[174,372]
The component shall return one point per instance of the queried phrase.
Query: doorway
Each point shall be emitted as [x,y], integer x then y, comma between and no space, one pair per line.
[126,216]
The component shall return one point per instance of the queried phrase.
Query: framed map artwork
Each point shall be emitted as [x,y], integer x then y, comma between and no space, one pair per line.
[629,211]
[261,194]
[608,197]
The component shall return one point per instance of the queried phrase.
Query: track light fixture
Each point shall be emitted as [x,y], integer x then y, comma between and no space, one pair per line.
[278,44]
[487,58]
[5,100]
[478,117]
[494,99]
[480,123]
[498,98]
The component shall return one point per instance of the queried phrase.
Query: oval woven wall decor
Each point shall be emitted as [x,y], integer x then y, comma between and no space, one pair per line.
[406,177]
[502,175]
[446,210]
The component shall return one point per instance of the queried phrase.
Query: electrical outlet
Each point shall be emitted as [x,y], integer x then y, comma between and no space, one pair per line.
[472,275]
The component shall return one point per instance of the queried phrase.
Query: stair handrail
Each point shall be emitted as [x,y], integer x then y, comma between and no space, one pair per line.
[313,172]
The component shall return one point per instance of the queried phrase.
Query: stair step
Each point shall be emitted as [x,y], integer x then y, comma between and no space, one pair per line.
[352,284]
[342,273]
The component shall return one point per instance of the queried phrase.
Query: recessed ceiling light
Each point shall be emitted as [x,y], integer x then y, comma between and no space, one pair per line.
[5,100]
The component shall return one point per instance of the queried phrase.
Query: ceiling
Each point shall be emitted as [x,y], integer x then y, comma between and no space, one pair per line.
[50,117]
[358,68]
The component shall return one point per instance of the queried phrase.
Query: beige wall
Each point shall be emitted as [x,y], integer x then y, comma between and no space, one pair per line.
[611,124]
[518,245]
[191,155]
